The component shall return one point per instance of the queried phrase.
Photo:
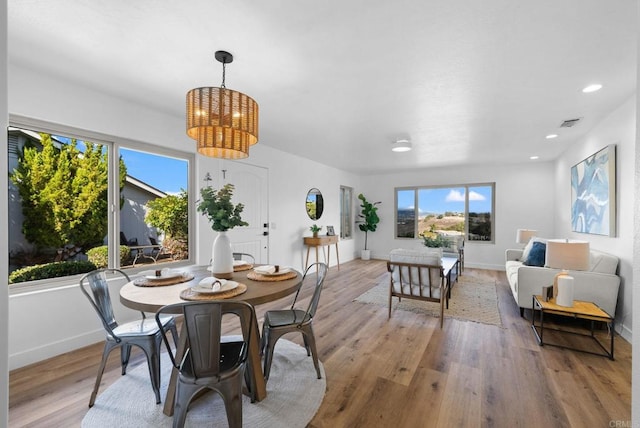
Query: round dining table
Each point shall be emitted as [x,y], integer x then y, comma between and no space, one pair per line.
[151,298]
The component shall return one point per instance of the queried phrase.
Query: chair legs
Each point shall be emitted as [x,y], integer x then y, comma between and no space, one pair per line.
[108,347]
[151,349]
[270,336]
[229,389]
[125,353]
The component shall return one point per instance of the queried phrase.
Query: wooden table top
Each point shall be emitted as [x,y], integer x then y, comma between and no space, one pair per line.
[150,299]
[580,309]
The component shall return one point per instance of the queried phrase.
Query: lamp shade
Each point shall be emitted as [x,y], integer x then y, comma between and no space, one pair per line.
[567,254]
[524,235]
[222,121]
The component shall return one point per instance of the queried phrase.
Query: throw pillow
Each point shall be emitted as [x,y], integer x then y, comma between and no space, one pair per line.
[527,248]
[537,255]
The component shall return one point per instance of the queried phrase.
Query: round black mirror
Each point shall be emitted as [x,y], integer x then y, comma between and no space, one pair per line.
[314,204]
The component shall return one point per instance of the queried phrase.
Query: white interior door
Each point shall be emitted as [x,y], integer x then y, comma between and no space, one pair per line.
[251,189]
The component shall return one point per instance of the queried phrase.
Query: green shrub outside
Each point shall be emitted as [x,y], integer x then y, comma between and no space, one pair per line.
[435,242]
[50,270]
[99,256]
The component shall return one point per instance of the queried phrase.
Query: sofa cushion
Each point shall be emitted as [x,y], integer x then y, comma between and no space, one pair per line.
[512,267]
[603,262]
[537,254]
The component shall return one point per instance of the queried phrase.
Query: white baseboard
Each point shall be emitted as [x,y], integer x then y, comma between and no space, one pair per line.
[48,350]
[625,332]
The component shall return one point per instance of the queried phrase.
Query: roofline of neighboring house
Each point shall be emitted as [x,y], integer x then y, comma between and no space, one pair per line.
[131,180]
[144,186]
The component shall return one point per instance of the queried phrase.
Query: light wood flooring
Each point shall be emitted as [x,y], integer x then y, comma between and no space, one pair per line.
[402,372]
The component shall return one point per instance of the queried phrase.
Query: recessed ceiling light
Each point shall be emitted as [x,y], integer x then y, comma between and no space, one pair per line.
[401,146]
[551,136]
[592,88]
[533,157]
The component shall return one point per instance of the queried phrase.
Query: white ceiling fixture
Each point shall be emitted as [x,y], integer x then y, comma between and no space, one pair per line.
[401,146]
[534,157]
[551,136]
[592,88]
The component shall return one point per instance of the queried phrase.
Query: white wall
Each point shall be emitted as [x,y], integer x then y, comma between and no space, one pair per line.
[44,324]
[4,271]
[635,381]
[522,193]
[618,128]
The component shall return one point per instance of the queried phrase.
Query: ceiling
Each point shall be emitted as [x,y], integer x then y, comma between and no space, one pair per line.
[467,81]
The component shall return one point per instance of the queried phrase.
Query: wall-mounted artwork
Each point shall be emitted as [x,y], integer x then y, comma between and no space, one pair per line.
[593,193]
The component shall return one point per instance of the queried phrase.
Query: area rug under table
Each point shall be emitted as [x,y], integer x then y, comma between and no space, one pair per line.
[472,299]
[294,394]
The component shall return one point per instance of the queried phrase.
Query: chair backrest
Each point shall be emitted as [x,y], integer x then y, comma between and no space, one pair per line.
[203,325]
[322,269]
[94,286]
[125,241]
[419,280]
[244,256]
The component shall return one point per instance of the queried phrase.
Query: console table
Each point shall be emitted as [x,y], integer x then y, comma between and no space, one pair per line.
[322,241]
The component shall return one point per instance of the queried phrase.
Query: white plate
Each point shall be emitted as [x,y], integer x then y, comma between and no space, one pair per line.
[262,271]
[228,285]
[151,275]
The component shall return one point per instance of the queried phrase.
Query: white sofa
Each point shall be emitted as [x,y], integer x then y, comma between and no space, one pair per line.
[599,284]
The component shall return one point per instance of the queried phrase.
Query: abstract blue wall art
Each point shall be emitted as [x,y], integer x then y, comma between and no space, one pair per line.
[593,193]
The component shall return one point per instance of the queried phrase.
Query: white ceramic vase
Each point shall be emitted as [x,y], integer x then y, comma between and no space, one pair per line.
[365,254]
[222,255]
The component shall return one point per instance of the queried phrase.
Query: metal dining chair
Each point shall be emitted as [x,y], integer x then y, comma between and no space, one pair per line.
[143,333]
[244,256]
[279,322]
[211,361]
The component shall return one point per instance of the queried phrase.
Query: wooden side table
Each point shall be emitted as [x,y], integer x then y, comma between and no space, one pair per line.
[321,241]
[580,310]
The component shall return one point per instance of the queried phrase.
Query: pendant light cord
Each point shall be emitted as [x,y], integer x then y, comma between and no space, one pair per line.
[224,69]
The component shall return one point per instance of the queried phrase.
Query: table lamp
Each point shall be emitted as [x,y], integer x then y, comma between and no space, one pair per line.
[566,254]
[524,235]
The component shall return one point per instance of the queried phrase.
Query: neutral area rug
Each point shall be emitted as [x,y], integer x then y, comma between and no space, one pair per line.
[294,394]
[472,299]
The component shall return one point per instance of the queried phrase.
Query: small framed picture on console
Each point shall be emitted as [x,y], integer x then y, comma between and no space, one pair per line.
[330,231]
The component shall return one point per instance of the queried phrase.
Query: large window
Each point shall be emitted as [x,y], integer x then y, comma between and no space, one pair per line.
[77,202]
[466,210]
[346,208]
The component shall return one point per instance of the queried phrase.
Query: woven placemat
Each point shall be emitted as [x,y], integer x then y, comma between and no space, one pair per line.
[271,278]
[240,268]
[144,282]
[190,294]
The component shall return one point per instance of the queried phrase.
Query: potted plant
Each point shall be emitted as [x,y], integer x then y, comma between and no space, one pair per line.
[369,222]
[315,229]
[223,216]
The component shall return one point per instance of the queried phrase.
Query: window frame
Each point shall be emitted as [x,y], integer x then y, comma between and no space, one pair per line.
[346,221]
[113,145]
[466,187]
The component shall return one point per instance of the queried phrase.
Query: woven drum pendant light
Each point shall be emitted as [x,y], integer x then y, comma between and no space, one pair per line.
[222,121]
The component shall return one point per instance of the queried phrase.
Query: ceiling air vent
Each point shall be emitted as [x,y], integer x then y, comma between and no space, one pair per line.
[569,123]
